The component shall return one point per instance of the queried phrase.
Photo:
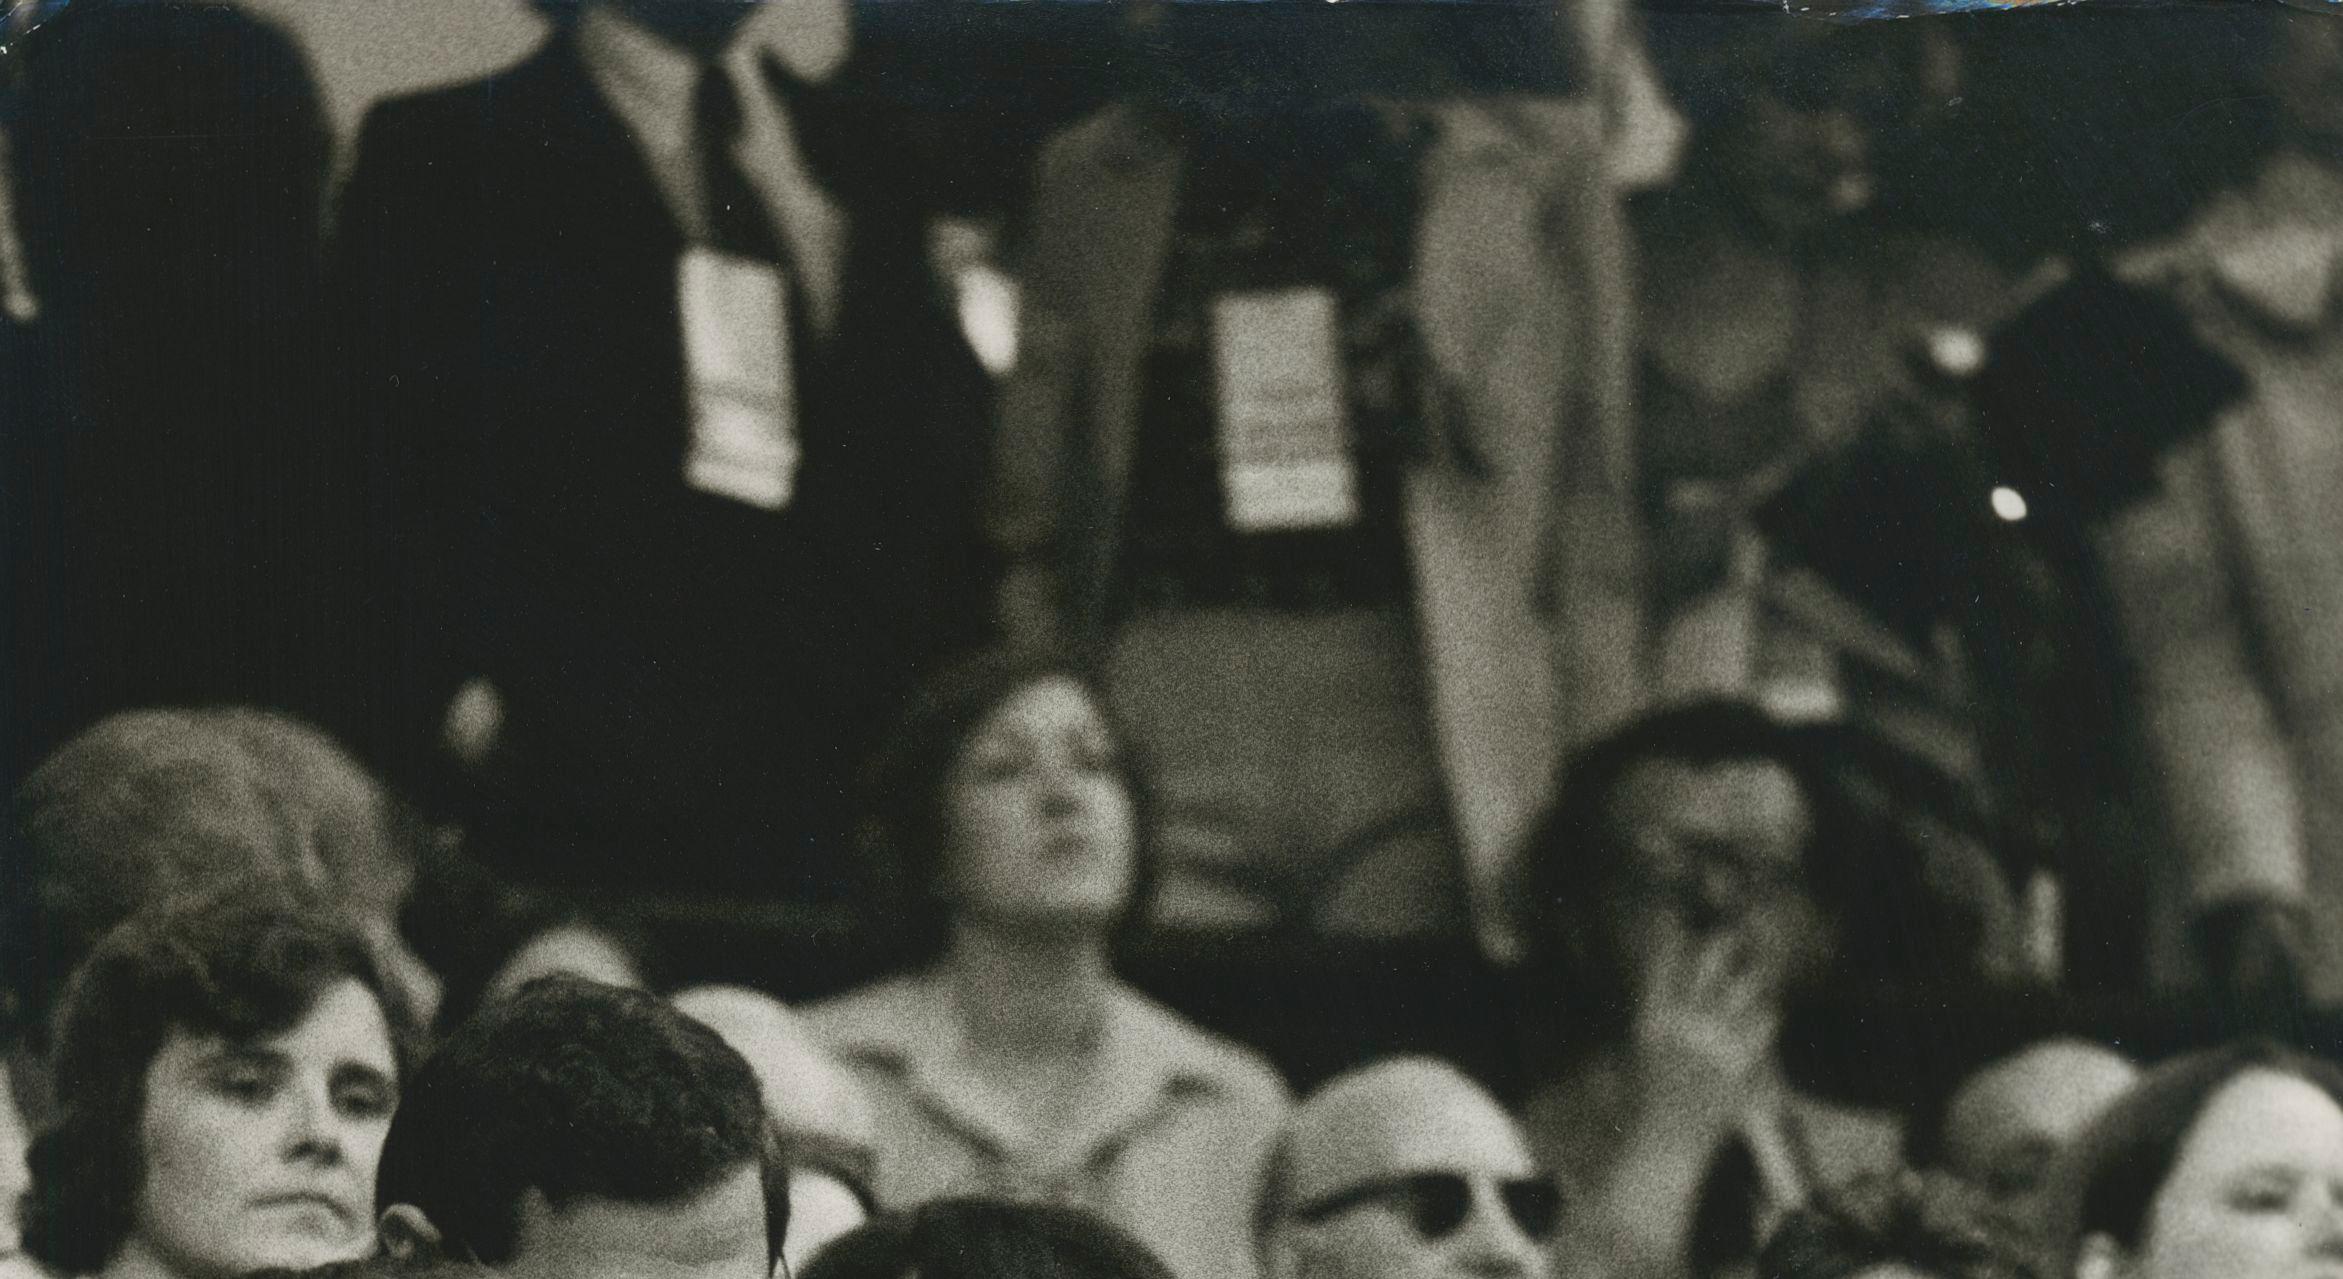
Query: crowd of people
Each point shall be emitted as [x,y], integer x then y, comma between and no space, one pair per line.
[1794,559]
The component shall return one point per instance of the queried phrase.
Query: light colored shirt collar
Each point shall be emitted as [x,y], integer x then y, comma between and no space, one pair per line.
[1146,1060]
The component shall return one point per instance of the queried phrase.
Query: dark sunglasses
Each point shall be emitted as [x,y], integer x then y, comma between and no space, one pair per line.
[1437,1203]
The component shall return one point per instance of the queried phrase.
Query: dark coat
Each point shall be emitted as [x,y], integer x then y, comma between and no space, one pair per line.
[687,680]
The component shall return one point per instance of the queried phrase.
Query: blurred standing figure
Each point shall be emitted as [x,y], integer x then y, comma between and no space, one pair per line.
[671,441]
[1011,1062]
[1782,292]
[1318,438]
[2227,581]
[162,451]
[1405,1169]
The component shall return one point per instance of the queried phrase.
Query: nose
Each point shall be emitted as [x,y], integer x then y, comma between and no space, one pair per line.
[313,1128]
[1490,1246]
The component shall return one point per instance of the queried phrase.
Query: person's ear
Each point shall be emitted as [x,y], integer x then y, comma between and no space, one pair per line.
[408,1237]
[2101,1258]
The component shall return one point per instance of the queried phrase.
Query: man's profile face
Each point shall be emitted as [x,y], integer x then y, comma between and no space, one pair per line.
[1408,1124]
[716,1234]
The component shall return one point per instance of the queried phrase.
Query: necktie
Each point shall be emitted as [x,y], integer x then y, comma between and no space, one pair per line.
[736,221]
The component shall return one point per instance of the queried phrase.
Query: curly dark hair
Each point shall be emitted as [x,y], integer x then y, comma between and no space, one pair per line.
[981,1239]
[903,806]
[573,1088]
[240,970]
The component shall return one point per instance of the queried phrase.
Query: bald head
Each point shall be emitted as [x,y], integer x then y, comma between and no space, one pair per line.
[1405,1169]
[2004,1124]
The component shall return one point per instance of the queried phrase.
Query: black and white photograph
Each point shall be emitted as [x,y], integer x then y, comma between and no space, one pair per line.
[1171,639]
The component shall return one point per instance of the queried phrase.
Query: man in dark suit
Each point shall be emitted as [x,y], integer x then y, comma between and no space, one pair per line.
[669,440]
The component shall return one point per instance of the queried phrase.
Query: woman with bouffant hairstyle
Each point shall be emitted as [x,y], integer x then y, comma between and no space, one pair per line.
[226,1074]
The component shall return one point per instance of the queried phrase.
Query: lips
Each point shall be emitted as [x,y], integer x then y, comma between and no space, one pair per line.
[339,1210]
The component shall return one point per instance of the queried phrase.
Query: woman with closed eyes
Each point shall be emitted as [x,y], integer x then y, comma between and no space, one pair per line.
[226,1074]
[2221,1165]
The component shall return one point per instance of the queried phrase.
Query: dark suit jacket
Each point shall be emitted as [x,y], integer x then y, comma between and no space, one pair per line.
[688,681]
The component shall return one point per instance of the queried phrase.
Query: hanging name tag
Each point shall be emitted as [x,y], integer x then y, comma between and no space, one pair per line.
[1285,459]
[744,443]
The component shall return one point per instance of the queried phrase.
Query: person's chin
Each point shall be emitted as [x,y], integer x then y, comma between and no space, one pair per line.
[305,1237]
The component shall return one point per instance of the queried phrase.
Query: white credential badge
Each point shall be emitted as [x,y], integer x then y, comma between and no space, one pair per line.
[744,443]
[1285,454]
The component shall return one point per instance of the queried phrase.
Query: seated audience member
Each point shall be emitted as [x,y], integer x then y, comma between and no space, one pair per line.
[823,1119]
[1675,898]
[2225,1164]
[983,1239]
[1405,1169]
[578,1130]
[155,805]
[225,1077]
[1010,1061]
[1902,1227]
[2005,1123]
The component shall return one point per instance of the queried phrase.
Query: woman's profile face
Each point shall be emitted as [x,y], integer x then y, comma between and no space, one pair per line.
[2257,1189]
[1037,818]
[262,1153]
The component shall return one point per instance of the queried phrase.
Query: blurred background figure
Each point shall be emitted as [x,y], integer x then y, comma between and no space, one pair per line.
[1008,1059]
[2225,584]
[226,1075]
[167,503]
[585,1131]
[2004,1126]
[1405,1169]
[2226,1163]
[654,499]
[1680,895]
[983,1239]
[825,1123]
[1781,281]
[1318,436]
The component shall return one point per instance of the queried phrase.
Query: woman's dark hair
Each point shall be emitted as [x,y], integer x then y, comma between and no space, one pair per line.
[981,1239]
[2107,1181]
[240,970]
[903,825]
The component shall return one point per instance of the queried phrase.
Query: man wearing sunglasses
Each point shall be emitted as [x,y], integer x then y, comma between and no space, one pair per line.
[1405,1170]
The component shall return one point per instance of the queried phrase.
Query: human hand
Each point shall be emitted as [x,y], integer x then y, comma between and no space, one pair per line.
[1705,1027]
